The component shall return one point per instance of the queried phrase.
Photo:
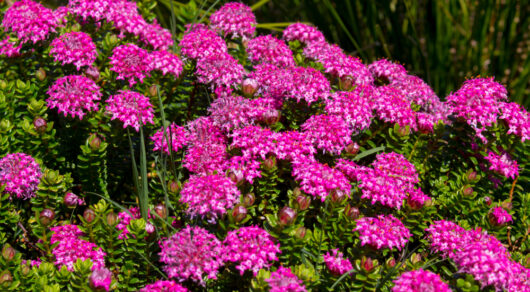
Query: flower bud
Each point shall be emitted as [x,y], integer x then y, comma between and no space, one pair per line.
[6,278]
[297,192]
[239,213]
[416,258]
[46,217]
[101,279]
[112,218]
[300,232]
[391,262]
[403,131]
[471,175]
[271,117]
[346,83]
[26,268]
[286,216]
[303,202]
[89,215]
[269,163]
[94,141]
[72,200]
[153,90]
[40,125]
[161,211]
[173,187]
[337,195]
[92,72]
[353,212]
[487,200]
[249,199]
[8,253]
[352,148]
[468,191]
[249,87]
[149,228]
[367,264]
[236,176]
[507,205]
[40,74]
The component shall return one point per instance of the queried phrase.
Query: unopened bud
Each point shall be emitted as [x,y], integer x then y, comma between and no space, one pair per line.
[161,211]
[352,148]
[297,191]
[271,117]
[269,163]
[26,268]
[367,264]
[416,258]
[46,217]
[249,87]
[487,200]
[94,141]
[403,131]
[8,253]
[89,215]
[286,216]
[303,202]
[6,278]
[40,74]
[72,200]
[239,213]
[300,232]
[507,205]
[236,176]
[390,263]
[468,191]
[173,187]
[149,228]
[112,218]
[337,195]
[471,175]
[249,199]
[153,90]
[353,213]
[40,125]
[346,83]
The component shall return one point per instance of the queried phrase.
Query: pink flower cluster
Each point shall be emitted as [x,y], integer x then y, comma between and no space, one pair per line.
[101,279]
[20,175]
[503,164]
[303,33]
[166,62]
[354,107]
[498,216]
[419,281]
[29,21]
[336,263]
[209,195]
[234,19]
[74,48]
[386,72]
[270,50]
[70,248]
[131,63]
[164,286]
[382,232]
[391,106]
[328,132]
[124,219]
[252,247]
[232,112]
[177,135]
[200,42]
[191,253]
[283,280]
[219,70]
[517,119]
[9,49]
[206,148]
[129,107]
[73,95]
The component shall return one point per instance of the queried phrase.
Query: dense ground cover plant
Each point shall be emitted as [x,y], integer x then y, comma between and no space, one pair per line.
[218,159]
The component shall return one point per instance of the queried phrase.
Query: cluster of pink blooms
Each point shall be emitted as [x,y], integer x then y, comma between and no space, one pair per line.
[391,106]
[336,262]
[70,248]
[164,286]
[9,49]
[29,21]
[74,95]
[386,72]
[177,135]
[328,132]
[234,19]
[503,164]
[319,180]
[303,33]
[252,247]
[283,280]
[270,50]
[192,253]
[129,107]
[204,158]
[75,48]
[219,70]
[200,42]
[209,195]
[419,281]
[100,279]
[479,254]
[382,232]
[499,216]
[517,119]
[307,84]
[20,175]
[124,219]
[130,62]
[354,107]
[232,112]
[166,62]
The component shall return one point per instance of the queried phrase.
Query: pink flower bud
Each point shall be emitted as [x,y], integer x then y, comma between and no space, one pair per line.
[46,217]
[353,213]
[468,191]
[352,148]
[286,216]
[161,211]
[249,87]
[300,232]
[8,253]
[94,141]
[337,195]
[367,264]
[72,200]
[101,279]
[239,213]
[249,199]
[89,215]
[303,202]
[112,219]
[40,125]
[6,278]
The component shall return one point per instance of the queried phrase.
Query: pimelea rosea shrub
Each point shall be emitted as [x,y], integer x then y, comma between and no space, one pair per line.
[219,158]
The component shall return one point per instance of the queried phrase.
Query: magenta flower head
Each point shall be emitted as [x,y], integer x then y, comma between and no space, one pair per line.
[191,253]
[336,262]
[303,33]
[307,84]
[283,280]
[328,132]
[158,37]
[128,107]
[101,279]
[503,164]
[131,62]
[72,200]
[417,199]
[166,62]
[386,72]
[420,281]
[234,19]
[445,237]
[29,21]
[209,195]
[164,286]
[231,112]
[391,106]
[252,247]
[9,49]
[382,232]
[354,107]
[498,217]
[125,219]
[220,70]
[74,95]
[270,50]
[74,48]
[177,135]
[20,175]
[517,119]
[200,42]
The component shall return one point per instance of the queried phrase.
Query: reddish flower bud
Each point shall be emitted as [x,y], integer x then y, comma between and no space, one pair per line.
[239,213]
[249,199]
[161,211]
[6,278]
[89,215]
[286,216]
[249,87]
[236,176]
[173,187]
[346,83]
[94,141]
[416,258]
[271,117]
[112,219]
[8,253]
[487,200]
[269,163]
[149,228]
[46,217]
[468,191]
[40,125]
[507,205]
[352,148]
[353,213]
[390,263]
[297,192]
[303,202]
[72,200]
[153,91]
[403,131]
[367,264]
[300,232]
[337,195]
[40,74]
[471,175]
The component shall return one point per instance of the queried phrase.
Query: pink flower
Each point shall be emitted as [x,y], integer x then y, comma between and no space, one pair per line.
[158,37]
[382,232]
[283,280]
[270,50]
[418,92]
[73,95]
[445,237]
[191,253]
[328,132]
[503,164]
[200,42]
[164,286]
[131,63]
[231,112]
[9,49]
[101,279]
[498,216]
[354,107]
[517,119]
[294,146]
[220,70]
[166,62]
[417,199]
[72,200]
[234,19]
[178,137]
[64,232]
[254,141]
[252,247]
[391,106]
[336,263]
[20,175]
[124,219]
[303,32]
[386,72]
[209,195]
[128,107]
[205,158]
[244,167]
[307,84]
[74,48]
[29,21]
[419,281]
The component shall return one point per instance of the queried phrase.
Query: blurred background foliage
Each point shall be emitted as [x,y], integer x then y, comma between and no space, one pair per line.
[444,42]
